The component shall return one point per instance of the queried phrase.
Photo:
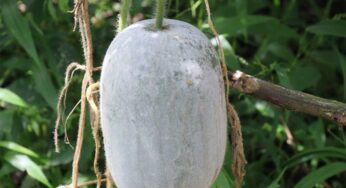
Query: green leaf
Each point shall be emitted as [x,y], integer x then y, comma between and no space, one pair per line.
[18,27]
[24,163]
[6,169]
[61,158]
[283,77]
[44,85]
[256,25]
[224,43]
[32,22]
[51,9]
[321,174]
[264,108]
[335,28]
[317,134]
[18,148]
[29,182]
[12,98]
[20,30]
[275,183]
[223,180]
[241,7]
[326,57]
[281,51]
[305,77]
[230,57]
[228,155]
[238,25]
[329,152]
[6,121]
[342,61]
[63,5]
[280,33]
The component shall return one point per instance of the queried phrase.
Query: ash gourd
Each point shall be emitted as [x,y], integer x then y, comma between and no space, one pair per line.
[163,110]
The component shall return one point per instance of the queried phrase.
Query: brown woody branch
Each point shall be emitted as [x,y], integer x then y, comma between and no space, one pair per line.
[289,99]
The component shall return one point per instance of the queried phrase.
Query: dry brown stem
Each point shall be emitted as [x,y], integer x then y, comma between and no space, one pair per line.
[62,97]
[81,17]
[80,136]
[83,184]
[91,91]
[66,139]
[297,101]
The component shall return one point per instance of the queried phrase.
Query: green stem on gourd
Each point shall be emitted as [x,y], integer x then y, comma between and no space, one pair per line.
[160,10]
[124,12]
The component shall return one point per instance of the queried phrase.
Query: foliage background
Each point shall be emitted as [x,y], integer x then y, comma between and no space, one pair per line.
[298,44]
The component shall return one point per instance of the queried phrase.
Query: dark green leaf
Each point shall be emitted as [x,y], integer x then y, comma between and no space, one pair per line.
[44,85]
[281,51]
[275,183]
[6,169]
[61,158]
[283,77]
[329,152]
[63,5]
[305,77]
[321,174]
[342,61]
[6,121]
[51,9]
[19,28]
[329,27]
[239,25]
[241,7]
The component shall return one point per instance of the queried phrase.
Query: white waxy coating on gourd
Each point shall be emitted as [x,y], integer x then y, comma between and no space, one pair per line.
[163,110]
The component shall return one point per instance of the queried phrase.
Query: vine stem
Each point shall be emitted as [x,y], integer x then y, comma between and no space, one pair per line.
[124,12]
[160,11]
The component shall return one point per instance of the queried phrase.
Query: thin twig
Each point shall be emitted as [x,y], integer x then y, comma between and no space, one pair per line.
[62,97]
[80,136]
[289,135]
[87,183]
[66,139]
[91,182]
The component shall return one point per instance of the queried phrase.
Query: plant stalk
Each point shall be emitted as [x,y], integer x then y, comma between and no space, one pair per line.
[124,12]
[160,11]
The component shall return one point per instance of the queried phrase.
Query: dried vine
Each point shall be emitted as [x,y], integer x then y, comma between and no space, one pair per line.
[81,17]
[238,159]
[89,93]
